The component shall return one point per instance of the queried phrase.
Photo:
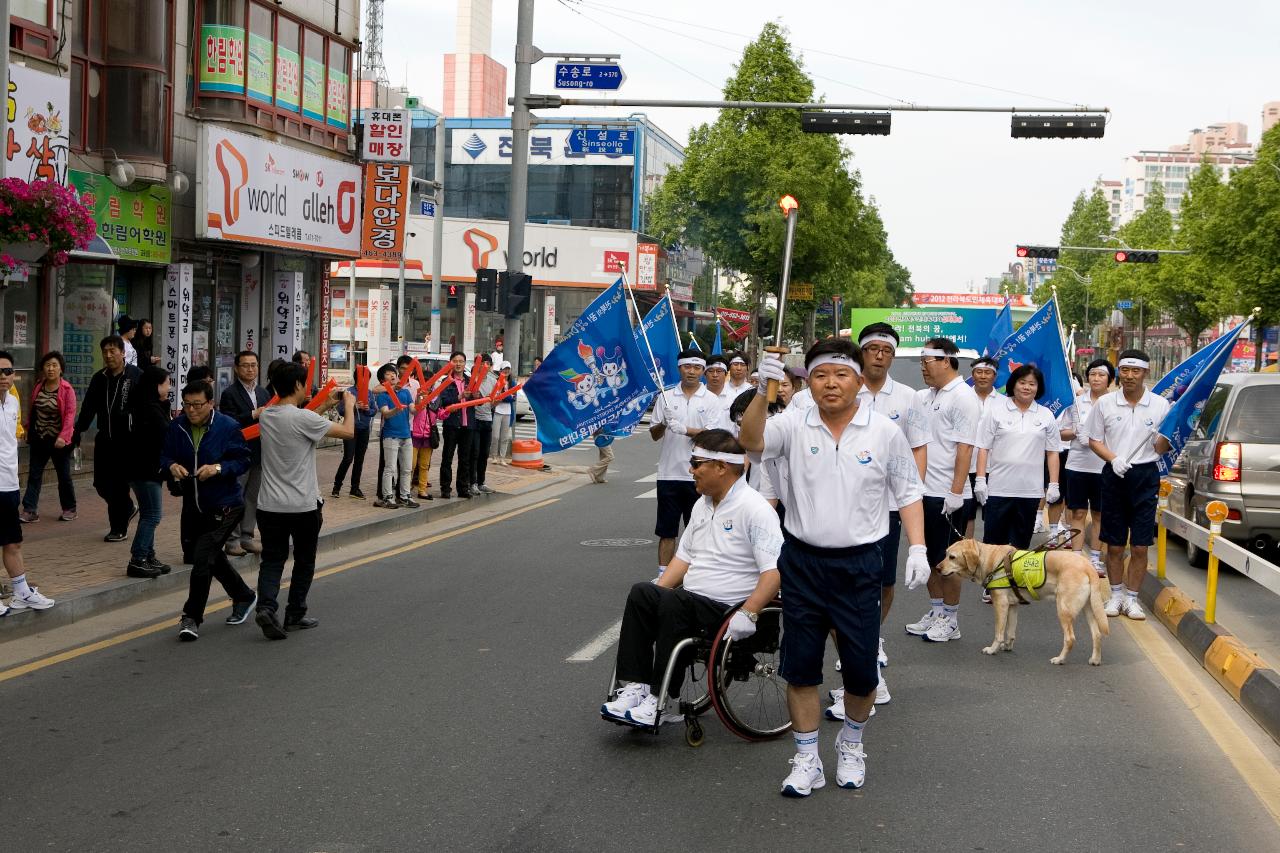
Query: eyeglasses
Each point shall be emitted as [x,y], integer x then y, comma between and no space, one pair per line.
[694,463]
[196,405]
[875,350]
[6,371]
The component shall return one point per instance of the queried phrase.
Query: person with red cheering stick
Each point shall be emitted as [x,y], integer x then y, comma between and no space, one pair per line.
[393,405]
[290,508]
[457,430]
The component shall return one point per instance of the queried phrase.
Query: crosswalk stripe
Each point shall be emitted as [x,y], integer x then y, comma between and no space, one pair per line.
[652,493]
[651,478]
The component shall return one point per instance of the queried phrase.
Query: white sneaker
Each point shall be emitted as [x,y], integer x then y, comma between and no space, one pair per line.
[806,775]
[1131,608]
[882,692]
[836,711]
[631,695]
[4,608]
[919,629]
[1039,528]
[881,657]
[1099,567]
[1114,605]
[851,764]
[646,713]
[33,601]
[944,629]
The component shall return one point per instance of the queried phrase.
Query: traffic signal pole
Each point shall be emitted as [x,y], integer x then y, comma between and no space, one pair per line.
[518,208]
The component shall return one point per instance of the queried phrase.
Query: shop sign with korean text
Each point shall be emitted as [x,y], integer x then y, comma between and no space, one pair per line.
[386,191]
[221,58]
[386,137]
[251,190]
[135,224]
[176,327]
[39,115]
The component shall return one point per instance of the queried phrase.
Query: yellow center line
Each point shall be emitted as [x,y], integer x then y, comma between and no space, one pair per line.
[1249,761]
[81,651]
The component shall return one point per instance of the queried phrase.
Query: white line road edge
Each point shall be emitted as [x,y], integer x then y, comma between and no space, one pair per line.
[598,646]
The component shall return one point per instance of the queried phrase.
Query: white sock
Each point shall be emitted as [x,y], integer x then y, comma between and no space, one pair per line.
[1095,555]
[806,742]
[951,611]
[936,604]
[851,731]
[20,588]
[1132,594]
[1117,590]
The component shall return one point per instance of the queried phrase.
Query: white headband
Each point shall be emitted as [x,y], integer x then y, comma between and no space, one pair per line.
[935,352]
[884,339]
[737,359]
[717,365]
[834,358]
[693,359]
[718,456]
[1135,362]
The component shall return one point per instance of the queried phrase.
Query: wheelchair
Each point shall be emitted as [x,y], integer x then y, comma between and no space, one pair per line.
[739,679]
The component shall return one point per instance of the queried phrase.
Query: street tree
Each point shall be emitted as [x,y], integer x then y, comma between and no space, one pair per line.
[1192,289]
[724,196]
[1086,225]
[1137,283]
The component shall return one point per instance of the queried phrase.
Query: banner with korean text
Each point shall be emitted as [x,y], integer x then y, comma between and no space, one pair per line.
[179,282]
[386,193]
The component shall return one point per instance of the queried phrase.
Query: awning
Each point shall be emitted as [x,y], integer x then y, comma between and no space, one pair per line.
[97,252]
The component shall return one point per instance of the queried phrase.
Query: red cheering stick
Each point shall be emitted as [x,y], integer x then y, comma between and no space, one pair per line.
[478,371]
[505,394]
[438,390]
[497,389]
[322,396]
[466,404]
[362,385]
[438,375]
[311,372]
[255,430]
[395,397]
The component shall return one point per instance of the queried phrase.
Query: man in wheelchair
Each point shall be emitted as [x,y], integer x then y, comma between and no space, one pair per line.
[727,556]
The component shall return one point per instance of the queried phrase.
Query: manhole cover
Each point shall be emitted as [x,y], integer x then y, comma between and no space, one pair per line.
[615,543]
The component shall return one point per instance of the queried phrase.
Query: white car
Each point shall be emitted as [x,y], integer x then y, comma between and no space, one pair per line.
[522,405]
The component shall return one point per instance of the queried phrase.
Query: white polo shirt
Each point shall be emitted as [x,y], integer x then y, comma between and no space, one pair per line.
[1079,455]
[801,400]
[1123,428]
[701,411]
[10,414]
[896,402]
[1016,443]
[983,403]
[838,491]
[726,398]
[735,390]
[728,545]
[951,415]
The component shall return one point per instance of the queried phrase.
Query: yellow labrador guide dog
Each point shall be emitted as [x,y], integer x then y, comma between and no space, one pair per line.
[1068,575]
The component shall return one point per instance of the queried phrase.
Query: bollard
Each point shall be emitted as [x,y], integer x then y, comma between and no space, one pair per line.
[1217,512]
[1166,489]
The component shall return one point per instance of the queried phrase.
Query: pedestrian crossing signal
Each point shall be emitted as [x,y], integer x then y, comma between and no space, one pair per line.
[452,301]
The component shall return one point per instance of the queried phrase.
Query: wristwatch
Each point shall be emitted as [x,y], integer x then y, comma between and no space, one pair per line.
[218,468]
[747,613]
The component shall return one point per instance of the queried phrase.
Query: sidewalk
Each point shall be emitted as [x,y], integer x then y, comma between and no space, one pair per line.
[70,563]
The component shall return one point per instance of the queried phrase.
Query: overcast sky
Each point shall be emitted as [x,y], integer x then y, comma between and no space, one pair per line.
[956,192]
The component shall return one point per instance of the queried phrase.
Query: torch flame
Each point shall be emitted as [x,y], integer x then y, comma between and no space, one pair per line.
[788,204]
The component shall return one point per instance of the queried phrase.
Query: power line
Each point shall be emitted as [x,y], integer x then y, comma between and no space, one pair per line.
[845,57]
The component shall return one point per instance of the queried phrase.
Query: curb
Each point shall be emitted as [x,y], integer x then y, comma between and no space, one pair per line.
[124,591]
[1242,673]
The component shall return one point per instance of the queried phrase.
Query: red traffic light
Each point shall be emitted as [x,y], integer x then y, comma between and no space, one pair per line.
[1121,257]
[1137,256]
[1022,251]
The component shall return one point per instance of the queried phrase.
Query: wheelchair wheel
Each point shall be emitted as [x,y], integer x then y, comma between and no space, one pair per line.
[745,684]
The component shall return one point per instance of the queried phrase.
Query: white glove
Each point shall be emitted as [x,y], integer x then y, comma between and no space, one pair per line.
[677,426]
[980,490]
[1120,466]
[951,503]
[917,566]
[1052,494]
[771,368]
[740,627]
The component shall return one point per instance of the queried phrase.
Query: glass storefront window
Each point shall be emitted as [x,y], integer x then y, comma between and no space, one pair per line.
[313,76]
[288,66]
[337,99]
[87,317]
[260,68]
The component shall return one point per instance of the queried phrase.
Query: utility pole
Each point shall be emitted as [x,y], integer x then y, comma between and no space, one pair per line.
[518,208]
[437,237]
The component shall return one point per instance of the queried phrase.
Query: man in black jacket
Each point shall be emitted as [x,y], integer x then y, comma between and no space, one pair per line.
[457,430]
[244,401]
[107,401]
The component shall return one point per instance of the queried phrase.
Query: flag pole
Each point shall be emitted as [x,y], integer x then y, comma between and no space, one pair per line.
[653,361]
[1057,315]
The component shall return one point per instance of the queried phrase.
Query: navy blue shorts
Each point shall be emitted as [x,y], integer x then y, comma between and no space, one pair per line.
[941,531]
[826,588]
[1010,521]
[1129,505]
[1082,490]
[889,550]
[675,504]
[10,525]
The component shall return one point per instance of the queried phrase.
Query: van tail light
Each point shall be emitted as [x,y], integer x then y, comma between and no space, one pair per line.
[1226,462]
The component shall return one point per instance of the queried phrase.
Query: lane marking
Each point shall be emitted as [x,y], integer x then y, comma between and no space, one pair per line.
[652,478]
[1249,761]
[652,493]
[81,651]
[598,646]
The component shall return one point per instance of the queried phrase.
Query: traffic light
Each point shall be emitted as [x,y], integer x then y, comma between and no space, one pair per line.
[764,326]
[452,301]
[862,124]
[486,290]
[1037,251]
[1137,256]
[513,293]
[1058,127]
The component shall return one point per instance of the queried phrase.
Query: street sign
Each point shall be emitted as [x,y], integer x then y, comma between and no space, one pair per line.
[800,292]
[603,141]
[1125,304]
[826,309]
[1084,350]
[428,208]
[586,75]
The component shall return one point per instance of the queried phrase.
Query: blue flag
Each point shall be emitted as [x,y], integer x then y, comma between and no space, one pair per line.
[1039,341]
[1174,383]
[1183,414]
[715,345]
[591,376]
[1001,328]
[693,343]
[657,333]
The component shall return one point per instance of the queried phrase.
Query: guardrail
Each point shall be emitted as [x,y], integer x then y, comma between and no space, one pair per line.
[1262,572]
